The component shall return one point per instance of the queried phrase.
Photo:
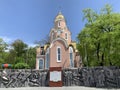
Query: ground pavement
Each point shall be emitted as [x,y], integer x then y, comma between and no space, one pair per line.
[55,88]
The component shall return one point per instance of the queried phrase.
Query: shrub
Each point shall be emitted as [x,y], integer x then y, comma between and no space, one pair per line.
[21,66]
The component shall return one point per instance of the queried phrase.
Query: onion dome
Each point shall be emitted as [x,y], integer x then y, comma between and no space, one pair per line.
[59,17]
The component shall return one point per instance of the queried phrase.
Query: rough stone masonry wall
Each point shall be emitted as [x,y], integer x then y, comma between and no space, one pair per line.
[23,78]
[101,77]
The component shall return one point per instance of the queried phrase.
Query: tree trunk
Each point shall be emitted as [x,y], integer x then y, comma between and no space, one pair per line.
[98,50]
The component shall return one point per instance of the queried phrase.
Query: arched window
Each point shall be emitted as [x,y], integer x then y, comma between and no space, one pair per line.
[58,54]
[71,57]
[41,63]
[47,59]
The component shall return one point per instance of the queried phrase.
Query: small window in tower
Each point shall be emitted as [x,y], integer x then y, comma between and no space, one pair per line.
[66,36]
[58,24]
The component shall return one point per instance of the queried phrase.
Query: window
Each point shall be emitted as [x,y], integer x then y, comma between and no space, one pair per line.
[66,36]
[42,51]
[59,32]
[47,59]
[71,57]
[58,24]
[58,54]
[41,64]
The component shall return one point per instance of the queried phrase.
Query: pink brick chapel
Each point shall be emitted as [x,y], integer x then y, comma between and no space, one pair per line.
[62,51]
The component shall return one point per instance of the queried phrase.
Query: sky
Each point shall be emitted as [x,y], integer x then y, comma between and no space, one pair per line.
[32,20]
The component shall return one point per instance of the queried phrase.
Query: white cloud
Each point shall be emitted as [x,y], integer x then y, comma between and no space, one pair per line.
[31,45]
[10,40]
[6,39]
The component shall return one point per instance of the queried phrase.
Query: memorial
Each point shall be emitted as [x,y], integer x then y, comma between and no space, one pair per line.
[55,74]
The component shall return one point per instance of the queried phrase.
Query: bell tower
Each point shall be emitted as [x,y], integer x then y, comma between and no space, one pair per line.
[59,22]
[60,29]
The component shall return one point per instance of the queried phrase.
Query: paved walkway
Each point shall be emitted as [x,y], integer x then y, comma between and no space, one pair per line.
[55,88]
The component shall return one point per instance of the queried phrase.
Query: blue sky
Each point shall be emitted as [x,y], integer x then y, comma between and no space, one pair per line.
[32,20]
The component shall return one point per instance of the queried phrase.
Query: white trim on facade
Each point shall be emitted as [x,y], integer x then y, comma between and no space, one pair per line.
[71,51]
[37,62]
[59,24]
[52,36]
[52,30]
[61,40]
[58,47]
[47,53]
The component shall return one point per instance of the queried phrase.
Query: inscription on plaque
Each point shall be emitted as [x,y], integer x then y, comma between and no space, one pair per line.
[55,76]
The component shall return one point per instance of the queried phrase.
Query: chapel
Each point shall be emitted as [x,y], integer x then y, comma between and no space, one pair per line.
[61,51]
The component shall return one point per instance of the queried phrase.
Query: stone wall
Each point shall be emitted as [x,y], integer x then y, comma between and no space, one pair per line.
[101,77]
[23,78]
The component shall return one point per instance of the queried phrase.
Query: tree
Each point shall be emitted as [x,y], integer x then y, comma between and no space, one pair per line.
[19,47]
[3,47]
[31,57]
[19,54]
[99,40]
[44,41]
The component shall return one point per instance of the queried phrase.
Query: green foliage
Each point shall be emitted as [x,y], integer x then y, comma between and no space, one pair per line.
[21,66]
[19,53]
[99,42]
[3,45]
[31,57]
[19,47]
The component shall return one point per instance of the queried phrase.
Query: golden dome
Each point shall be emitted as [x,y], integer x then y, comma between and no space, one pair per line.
[59,17]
